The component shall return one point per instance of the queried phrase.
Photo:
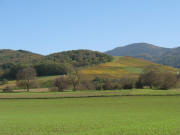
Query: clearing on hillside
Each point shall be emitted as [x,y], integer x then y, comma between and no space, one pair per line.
[122,67]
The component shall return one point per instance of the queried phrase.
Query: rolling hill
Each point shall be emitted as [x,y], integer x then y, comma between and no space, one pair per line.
[121,67]
[93,63]
[161,55]
[80,58]
[11,61]
[18,56]
[76,57]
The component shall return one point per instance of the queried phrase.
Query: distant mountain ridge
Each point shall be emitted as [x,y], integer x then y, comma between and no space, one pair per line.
[161,55]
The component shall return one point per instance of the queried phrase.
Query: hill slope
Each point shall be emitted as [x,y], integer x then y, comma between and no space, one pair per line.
[19,56]
[122,67]
[76,57]
[165,56]
[80,58]
[12,61]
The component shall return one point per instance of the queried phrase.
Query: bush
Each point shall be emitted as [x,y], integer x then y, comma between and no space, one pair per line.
[108,85]
[22,84]
[139,84]
[7,89]
[155,78]
[61,83]
[127,83]
[53,89]
[99,82]
[167,81]
[87,85]
[111,84]
[3,81]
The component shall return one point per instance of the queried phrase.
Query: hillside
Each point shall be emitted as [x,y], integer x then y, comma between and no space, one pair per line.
[11,61]
[80,58]
[122,67]
[18,56]
[165,56]
[76,57]
[119,67]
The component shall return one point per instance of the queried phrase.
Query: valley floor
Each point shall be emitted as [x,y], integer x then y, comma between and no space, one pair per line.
[124,115]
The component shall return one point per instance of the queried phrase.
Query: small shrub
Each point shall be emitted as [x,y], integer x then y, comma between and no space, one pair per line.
[7,89]
[99,82]
[53,89]
[3,81]
[127,83]
[107,85]
[87,85]
[139,84]
[167,81]
[61,83]
[155,78]
[22,84]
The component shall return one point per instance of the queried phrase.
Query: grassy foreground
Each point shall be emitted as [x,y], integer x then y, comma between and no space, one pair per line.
[134,115]
[36,94]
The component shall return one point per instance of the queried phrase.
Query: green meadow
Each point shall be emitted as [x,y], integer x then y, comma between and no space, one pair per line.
[122,115]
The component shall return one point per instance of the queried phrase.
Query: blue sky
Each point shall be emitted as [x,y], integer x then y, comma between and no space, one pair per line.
[47,26]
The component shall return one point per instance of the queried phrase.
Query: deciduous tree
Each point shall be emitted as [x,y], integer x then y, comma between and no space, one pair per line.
[25,77]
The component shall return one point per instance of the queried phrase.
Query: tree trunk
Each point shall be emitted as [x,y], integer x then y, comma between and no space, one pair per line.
[74,87]
[27,86]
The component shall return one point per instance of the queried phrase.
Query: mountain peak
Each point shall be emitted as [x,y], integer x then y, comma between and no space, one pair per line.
[150,52]
[142,45]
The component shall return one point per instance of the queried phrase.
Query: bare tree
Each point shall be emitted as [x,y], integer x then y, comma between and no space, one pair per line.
[61,83]
[74,77]
[25,77]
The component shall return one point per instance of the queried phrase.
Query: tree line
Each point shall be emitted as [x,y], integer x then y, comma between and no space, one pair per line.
[26,78]
[152,77]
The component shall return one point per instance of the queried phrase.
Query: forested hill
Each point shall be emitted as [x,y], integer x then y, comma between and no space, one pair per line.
[165,56]
[80,58]
[19,56]
[12,61]
[76,57]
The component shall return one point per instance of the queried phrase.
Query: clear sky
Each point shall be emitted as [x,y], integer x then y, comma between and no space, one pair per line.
[47,26]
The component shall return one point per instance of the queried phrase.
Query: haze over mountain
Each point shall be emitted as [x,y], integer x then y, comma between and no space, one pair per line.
[161,55]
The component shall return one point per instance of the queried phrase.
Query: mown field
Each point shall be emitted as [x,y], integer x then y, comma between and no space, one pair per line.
[44,94]
[125,115]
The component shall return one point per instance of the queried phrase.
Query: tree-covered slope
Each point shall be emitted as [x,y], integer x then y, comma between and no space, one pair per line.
[12,61]
[80,58]
[19,56]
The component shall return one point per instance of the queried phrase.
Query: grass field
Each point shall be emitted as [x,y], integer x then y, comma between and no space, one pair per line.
[41,94]
[132,115]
